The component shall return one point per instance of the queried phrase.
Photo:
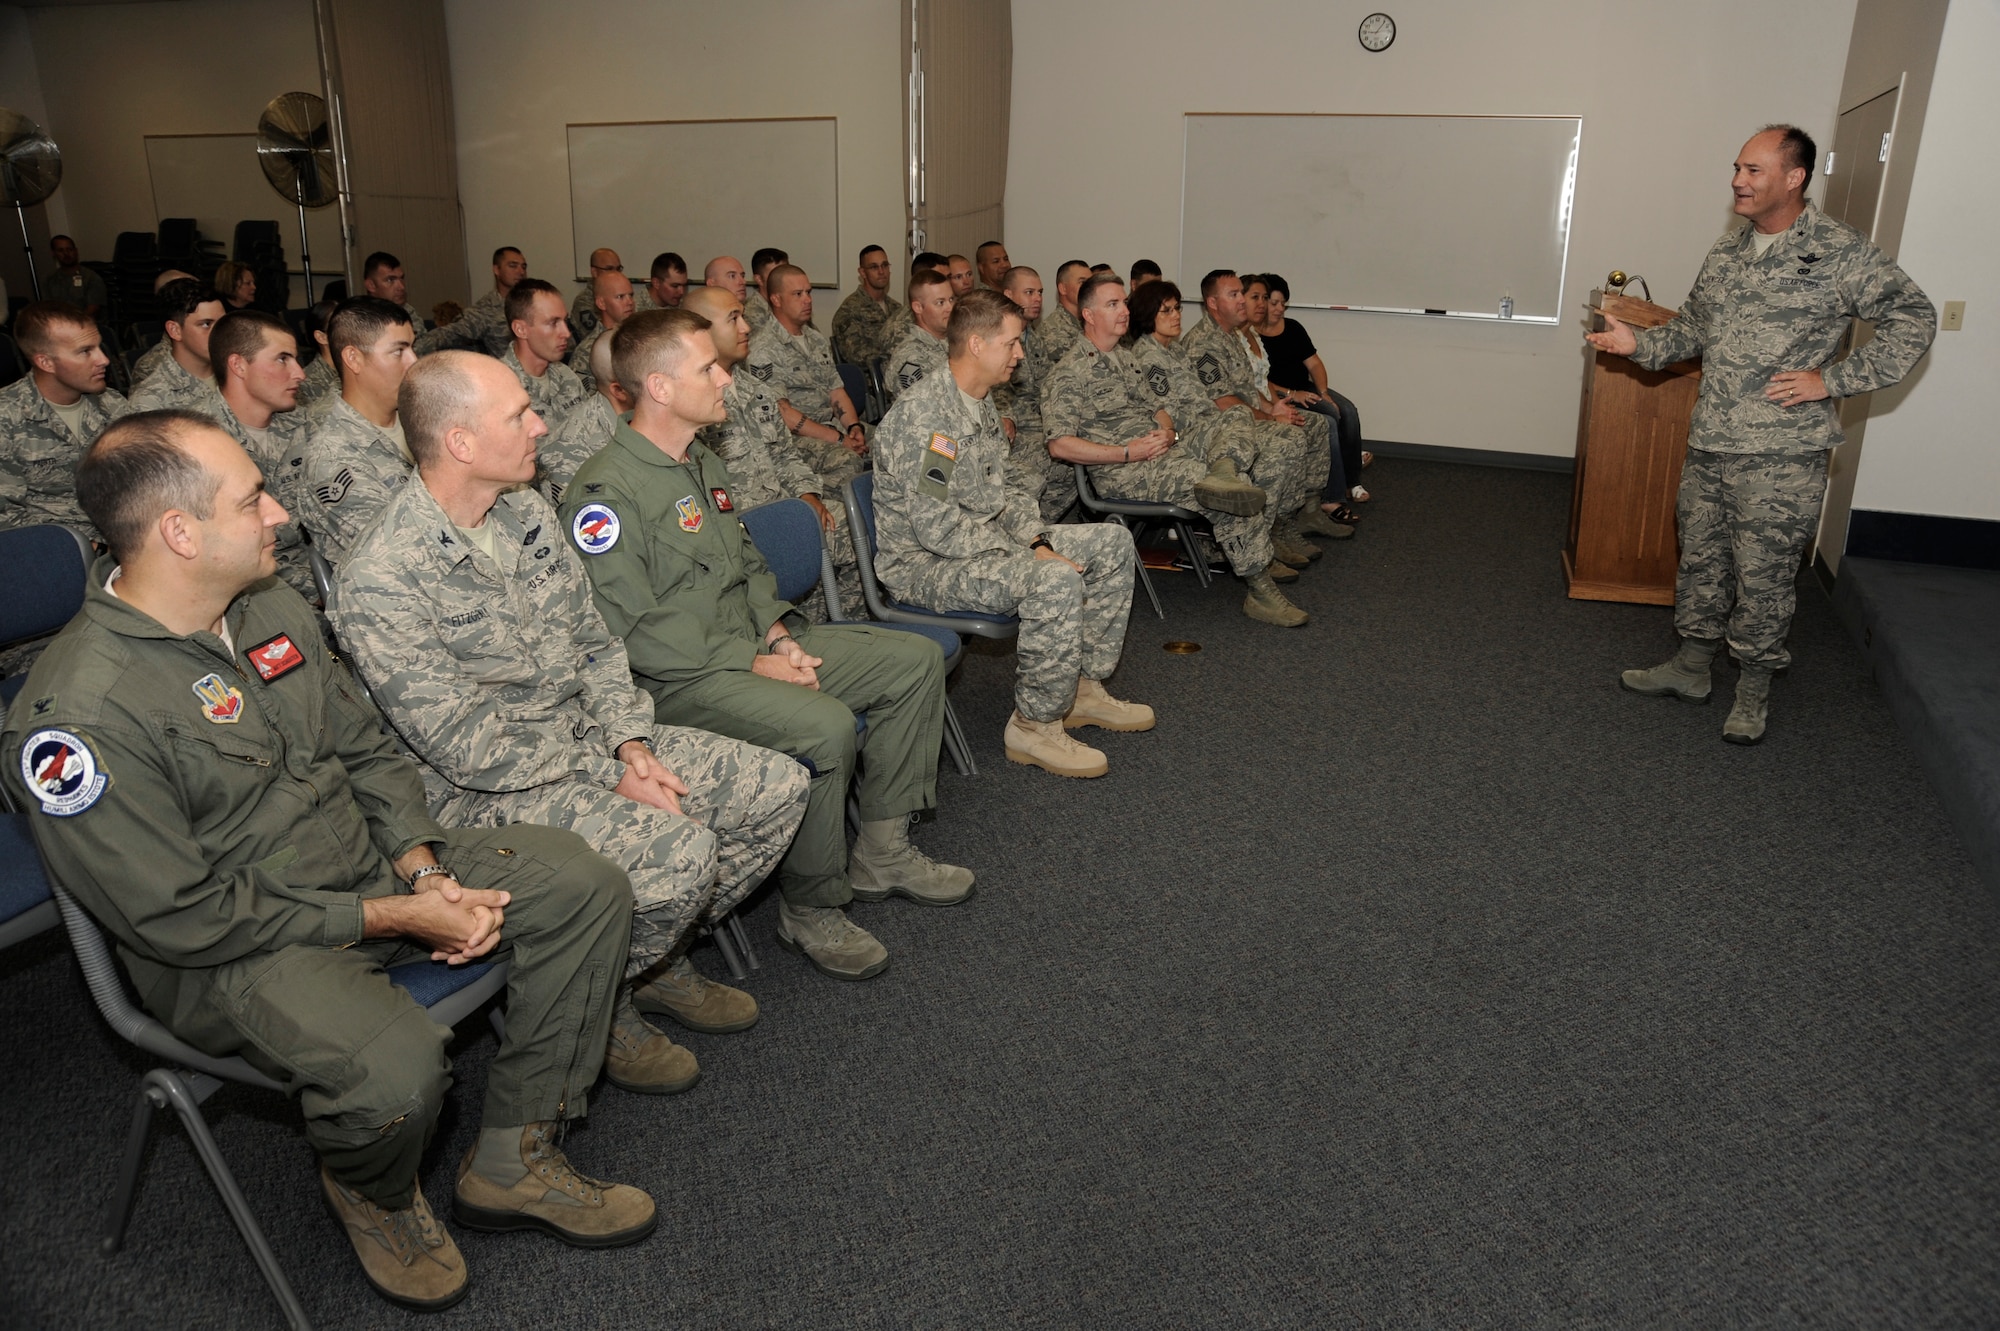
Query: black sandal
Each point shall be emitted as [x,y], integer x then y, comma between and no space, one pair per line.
[1341,513]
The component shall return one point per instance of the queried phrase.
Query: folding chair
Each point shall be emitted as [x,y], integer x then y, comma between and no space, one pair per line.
[859,497]
[1135,515]
[855,380]
[449,993]
[788,534]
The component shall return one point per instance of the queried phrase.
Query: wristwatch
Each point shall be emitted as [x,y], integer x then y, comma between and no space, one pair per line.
[1041,543]
[427,871]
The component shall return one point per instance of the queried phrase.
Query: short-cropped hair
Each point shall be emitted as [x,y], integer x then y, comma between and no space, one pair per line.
[360,322]
[1213,279]
[1069,266]
[1797,148]
[666,264]
[180,298]
[241,333]
[652,342]
[928,259]
[1085,294]
[1145,268]
[926,277]
[867,250]
[137,470]
[979,313]
[783,273]
[35,326]
[986,245]
[1019,270]
[379,261]
[1147,302]
[438,394]
[766,259]
[521,300]
[503,252]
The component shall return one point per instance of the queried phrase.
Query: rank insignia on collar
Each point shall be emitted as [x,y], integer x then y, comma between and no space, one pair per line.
[221,703]
[275,657]
[721,497]
[690,513]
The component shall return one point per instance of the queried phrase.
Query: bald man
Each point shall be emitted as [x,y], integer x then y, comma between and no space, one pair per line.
[583,312]
[612,303]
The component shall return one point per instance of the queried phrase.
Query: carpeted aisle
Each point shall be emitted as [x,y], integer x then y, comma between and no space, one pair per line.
[1409,974]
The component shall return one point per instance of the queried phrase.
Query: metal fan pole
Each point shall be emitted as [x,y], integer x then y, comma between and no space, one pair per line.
[28,246]
[305,250]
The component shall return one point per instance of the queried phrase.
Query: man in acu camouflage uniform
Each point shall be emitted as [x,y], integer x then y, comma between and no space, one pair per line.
[754,444]
[959,529]
[185,378]
[50,414]
[540,346]
[921,350]
[1019,400]
[466,613]
[484,326]
[1061,325]
[858,323]
[257,371]
[355,457]
[792,359]
[1093,415]
[1767,315]
[612,304]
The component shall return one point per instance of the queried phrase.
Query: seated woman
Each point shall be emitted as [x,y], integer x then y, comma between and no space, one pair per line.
[237,283]
[1299,376]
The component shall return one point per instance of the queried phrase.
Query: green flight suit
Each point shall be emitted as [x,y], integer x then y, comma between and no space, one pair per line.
[224,814]
[675,575]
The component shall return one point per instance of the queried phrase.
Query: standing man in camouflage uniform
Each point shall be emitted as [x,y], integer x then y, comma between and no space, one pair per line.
[678,579]
[583,310]
[793,360]
[921,350]
[612,304]
[470,620]
[50,414]
[991,256]
[258,376]
[484,326]
[355,457]
[184,380]
[857,324]
[753,443]
[1767,315]
[218,796]
[960,529]
[1093,415]
[540,348]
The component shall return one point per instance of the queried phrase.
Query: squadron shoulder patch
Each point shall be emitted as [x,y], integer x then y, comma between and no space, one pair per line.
[594,529]
[221,701]
[689,511]
[62,771]
[276,657]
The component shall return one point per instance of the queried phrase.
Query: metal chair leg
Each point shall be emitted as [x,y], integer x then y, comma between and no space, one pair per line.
[728,949]
[188,1106]
[126,1194]
[742,936]
[955,743]
[1195,556]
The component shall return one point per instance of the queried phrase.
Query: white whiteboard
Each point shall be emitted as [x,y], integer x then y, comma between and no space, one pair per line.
[1403,214]
[703,188]
[215,179]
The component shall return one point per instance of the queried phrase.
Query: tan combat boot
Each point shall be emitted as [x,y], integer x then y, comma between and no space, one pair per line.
[835,945]
[406,1255]
[1753,704]
[695,1001]
[518,1178]
[1225,491]
[1290,550]
[1095,707]
[1315,521]
[1045,744]
[1279,571]
[1265,603]
[1685,675]
[884,862]
[640,1059]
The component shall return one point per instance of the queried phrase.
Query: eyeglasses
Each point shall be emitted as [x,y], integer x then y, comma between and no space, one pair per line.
[607,268]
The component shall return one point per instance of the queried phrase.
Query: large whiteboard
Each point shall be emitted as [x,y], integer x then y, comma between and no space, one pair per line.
[1405,214]
[703,188]
[215,179]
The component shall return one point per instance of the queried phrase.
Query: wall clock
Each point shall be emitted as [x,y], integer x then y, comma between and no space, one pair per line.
[1377,31]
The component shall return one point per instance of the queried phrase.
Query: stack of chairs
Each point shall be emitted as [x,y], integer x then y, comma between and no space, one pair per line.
[183,246]
[135,266]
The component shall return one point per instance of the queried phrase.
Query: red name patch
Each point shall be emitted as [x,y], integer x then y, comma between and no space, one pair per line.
[276,656]
[722,503]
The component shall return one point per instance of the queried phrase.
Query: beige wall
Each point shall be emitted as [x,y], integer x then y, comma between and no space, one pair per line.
[1667,92]
[521,71]
[113,74]
[1932,444]
[21,90]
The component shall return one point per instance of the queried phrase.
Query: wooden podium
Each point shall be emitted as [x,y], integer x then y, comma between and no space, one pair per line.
[1630,438]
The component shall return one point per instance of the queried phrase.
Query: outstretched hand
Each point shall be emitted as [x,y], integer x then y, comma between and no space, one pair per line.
[1617,338]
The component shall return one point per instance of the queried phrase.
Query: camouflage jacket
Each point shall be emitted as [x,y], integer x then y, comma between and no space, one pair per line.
[754,444]
[944,488]
[322,381]
[1750,318]
[38,455]
[352,466]
[583,312]
[1163,377]
[579,357]
[1090,396]
[1052,337]
[499,676]
[918,353]
[149,360]
[171,386]
[279,452]
[799,369]
[857,328]
[756,310]
[568,445]
[1220,361]
[483,327]
[554,394]
[1020,398]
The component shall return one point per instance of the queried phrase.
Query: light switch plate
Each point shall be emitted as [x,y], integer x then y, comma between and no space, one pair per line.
[1954,316]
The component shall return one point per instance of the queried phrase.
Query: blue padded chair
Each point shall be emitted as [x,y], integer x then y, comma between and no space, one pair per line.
[51,565]
[788,534]
[1135,515]
[859,497]
[855,380]
[190,1077]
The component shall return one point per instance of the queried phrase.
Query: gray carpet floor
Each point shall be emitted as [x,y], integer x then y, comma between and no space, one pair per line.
[1409,974]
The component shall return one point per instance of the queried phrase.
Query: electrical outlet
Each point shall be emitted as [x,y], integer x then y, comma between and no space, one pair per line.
[1954,316]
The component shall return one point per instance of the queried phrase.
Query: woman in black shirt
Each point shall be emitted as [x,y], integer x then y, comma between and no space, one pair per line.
[1297,369]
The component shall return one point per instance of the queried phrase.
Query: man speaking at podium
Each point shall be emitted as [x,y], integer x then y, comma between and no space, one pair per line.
[1766,317]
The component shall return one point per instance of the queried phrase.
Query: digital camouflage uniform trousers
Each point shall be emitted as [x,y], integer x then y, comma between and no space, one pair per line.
[1745,521]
